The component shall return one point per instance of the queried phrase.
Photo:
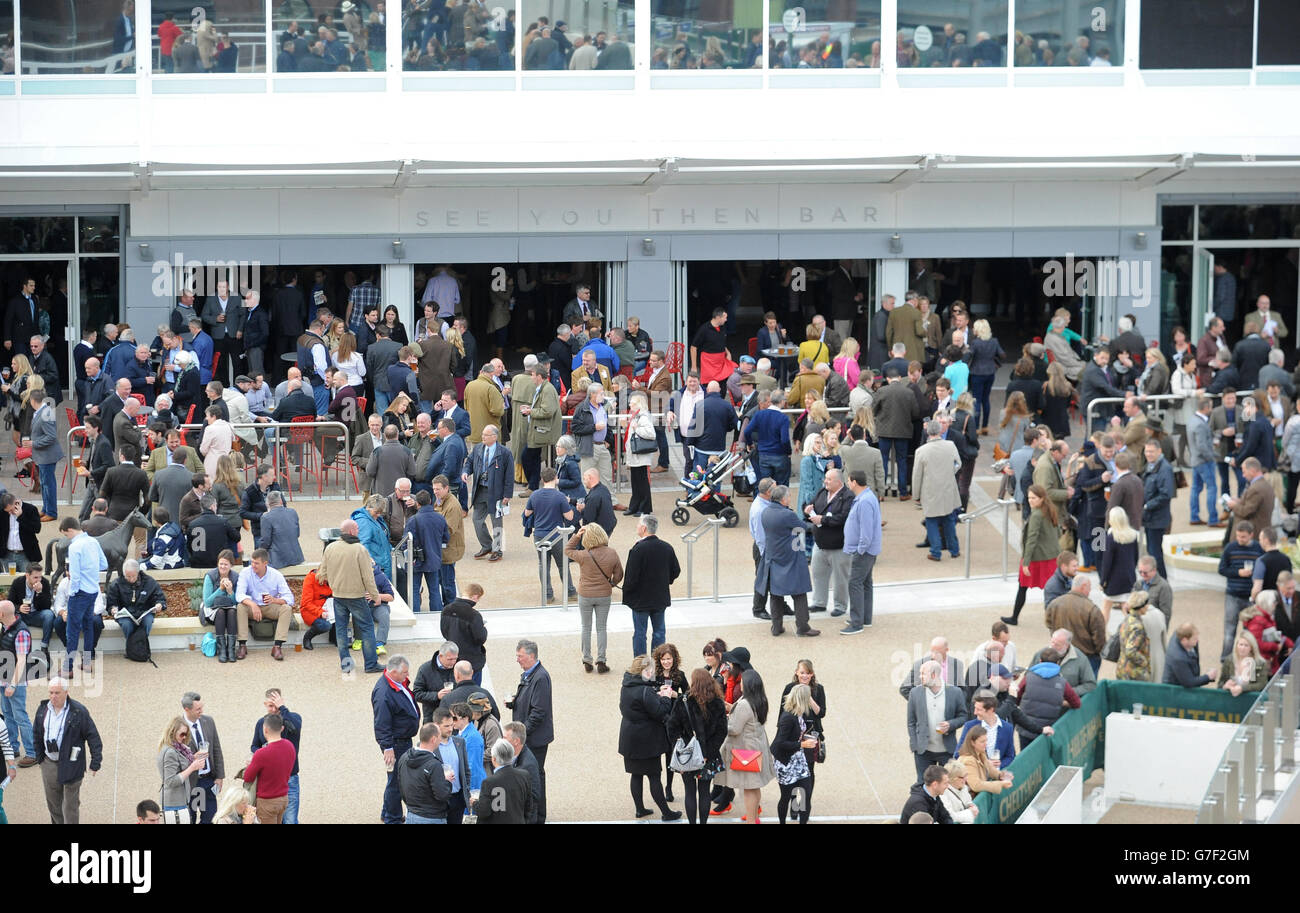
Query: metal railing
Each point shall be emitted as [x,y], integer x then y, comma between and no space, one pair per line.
[403,557]
[690,538]
[1153,398]
[277,440]
[969,519]
[543,546]
[1259,764]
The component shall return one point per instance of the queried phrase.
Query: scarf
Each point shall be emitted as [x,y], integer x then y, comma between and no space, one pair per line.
[186,752]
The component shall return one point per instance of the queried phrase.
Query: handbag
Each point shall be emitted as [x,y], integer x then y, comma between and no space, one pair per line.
[747,760]
[999,453]
[1180,479]
[644,445]
[687,756]
[821,745]
[1110,652]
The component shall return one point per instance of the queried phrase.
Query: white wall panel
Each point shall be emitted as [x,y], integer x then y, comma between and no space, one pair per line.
[230,212]
[334,212]
[943,206]
[1043,204]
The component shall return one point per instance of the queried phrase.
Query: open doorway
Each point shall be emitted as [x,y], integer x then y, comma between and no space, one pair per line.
[51,278]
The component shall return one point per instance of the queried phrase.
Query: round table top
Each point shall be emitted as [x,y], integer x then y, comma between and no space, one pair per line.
[290,356]
[781,352]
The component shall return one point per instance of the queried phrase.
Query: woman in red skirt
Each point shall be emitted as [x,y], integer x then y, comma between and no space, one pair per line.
[1039,547]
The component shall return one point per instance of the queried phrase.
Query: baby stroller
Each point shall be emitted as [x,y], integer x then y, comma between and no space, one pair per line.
[704,491]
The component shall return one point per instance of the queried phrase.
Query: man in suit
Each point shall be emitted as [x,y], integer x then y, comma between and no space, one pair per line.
[651,568]
[1272,328]
[1183,659]
[446,407]
[658,383]
[392,461]
[1126,491]
[1256,501]
[125,429]
[828,513]
[580,309]
[92,388]
[24,520]
[590,368]
[935,480]
[203,347]
[1208,348]
[380,356]
[512,793]
[831,339]
[784,569]
[1226,427]
[46,368]
[1250,354]
[845,298]
[21,322]
[484,402]
[280,532]
[222,320]
[616,56]
[1157,498]
[517,735]
[904,326]
[452,753]
[532,707]
[203,730]
[936,712]
[396,721]
[84,350]
[540,423]
[597,506]
[435,360]
[861,455]
[366,444]
[448,459]
[255,325]
[289,316]
[950,667]
[62,732]
[490,474]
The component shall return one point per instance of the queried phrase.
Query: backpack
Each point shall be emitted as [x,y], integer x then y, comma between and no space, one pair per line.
[137,647]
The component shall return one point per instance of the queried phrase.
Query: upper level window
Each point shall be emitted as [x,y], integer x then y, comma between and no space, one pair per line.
[560,35]
[1069,33]
[1279,24]
[458,35]
[78,38]
[190,37]
[6,37]
[968,33]
[823,34]
[1197,34]
[707,34]
[348,38]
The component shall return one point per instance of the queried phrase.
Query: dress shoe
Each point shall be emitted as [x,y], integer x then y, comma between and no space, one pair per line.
[811,632]
[816,608]
[27,761]
[601,668]
[588,667]
[483,553]
[1198,523]
[904,497]
[277,653]
[837,613]
[495,556]
[622,507]
[241,652]
[46,518]
[925,544]
[932,557]
[644,813]
[763,616]
[1219,525]
[777,632]
[671,816]
[1007,619]
[658,469]
[630,513]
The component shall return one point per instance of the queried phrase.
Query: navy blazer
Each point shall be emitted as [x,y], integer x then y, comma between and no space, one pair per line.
[598,508]
[1006,745]
[1257,442]
[429,527]
[457,415]
[768,340]
[1157,494]
[448,458]
[500,475]
[397,719]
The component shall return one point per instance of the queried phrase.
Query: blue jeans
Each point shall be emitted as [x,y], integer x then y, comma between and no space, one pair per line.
[358,612]
[382,400]
[97,627]
[1085,541]
[898,447]
[981,385]
[380,612]
[1203,477]
[43,619]
[322,397]
[291,809]
[661,438]
[81,610]
[639,622]
[127,624]
[1223,478]
[392,810]
[431,581]
[774,467]
[1155,548]
[416,819]
[447,577]
[17,721]
[945,526]
[49,489]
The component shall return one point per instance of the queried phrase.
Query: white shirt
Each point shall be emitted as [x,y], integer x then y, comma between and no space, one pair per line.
[200,741]
[15,544]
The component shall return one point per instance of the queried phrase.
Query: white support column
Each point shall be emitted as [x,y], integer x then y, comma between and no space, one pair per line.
[397,282]
[893,279]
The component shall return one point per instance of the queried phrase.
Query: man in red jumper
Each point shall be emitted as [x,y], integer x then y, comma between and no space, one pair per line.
[271,766]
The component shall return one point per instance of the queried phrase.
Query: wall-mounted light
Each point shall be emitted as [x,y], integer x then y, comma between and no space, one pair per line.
[399,249]
[648,247]
[895,243]
[1140,241]
[145,251]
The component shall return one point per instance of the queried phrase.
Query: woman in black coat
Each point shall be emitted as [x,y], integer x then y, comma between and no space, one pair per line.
[702,715]
[668,671]
[189,391]
[396,331]
[796,738]
[642,738]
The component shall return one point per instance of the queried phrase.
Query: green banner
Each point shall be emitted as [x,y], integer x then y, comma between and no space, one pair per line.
[1079,736]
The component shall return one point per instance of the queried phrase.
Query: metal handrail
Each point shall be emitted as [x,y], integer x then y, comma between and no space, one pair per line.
[559,534]
[1005,504]
[1144,398]
[690,538]
[275,446]
[404,556]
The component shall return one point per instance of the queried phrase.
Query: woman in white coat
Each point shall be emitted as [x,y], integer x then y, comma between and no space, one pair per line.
[218,438]
[640,427]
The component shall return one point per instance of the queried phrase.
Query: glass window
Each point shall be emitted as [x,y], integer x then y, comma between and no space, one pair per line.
[1069,33]
[1176,223]
[460,35]
[99,235]
[90,36]
[1279,23]
[36,235]
[970,33]
[189,37]
[6,37]
[1196,34]
[347,38]
[707,34]
[100,290]
[559,35]
[829,34]
[1265,222]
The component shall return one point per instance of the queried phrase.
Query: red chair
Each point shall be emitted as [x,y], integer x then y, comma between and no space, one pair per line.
[72,424]
[142,418]
[676,357]
[189,419]
[753,347]
[305,440]
[628,371]
[216,360]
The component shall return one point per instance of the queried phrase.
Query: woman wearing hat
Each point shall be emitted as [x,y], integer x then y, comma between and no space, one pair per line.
[642,738]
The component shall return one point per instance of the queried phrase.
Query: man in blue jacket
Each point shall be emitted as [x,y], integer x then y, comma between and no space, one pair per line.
[718,419]
[397,719]
[257,332]
[1183,660]
[448,459]
[431,534]
[769,430]
[1158,494]
[784,568]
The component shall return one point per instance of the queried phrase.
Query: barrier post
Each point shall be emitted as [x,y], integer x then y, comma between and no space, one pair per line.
[1249,774]
[716,522]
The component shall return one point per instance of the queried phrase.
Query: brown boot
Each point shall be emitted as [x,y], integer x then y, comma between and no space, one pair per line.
[242,651]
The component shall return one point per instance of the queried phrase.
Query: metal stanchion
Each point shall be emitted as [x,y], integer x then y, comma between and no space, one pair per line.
[564,532]
[1006,535]
[716,523]
[408,545]
[1268,752]
[1286,725]
[1246,744]
[690,538]
[1214,808]
[1231,792]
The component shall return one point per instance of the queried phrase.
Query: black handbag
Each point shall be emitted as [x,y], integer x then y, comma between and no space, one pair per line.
[644,445]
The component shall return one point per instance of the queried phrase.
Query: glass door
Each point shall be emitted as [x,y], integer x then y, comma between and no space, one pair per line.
[1202,291]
